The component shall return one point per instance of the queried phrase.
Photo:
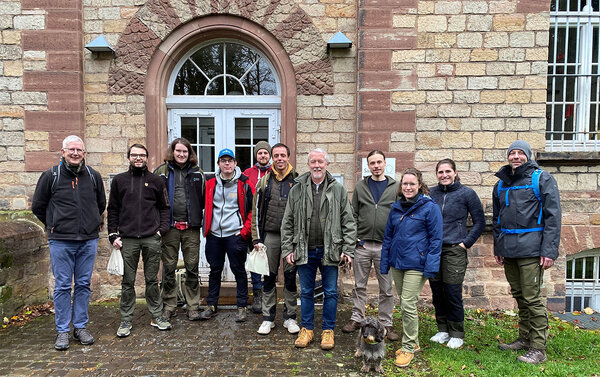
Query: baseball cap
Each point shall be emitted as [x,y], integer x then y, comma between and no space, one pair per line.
[226,152]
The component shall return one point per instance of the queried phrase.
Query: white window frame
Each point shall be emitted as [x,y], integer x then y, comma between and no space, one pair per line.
[584,22]
[584,287]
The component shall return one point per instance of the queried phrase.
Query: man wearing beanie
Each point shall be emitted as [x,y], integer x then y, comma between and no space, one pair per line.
[527,223]
[262,154]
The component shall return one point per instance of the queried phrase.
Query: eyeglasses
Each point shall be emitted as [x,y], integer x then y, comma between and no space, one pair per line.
[74,150]
[226,161]
[138,155]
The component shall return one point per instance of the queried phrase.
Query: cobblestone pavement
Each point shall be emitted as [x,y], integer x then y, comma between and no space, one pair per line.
[218,347]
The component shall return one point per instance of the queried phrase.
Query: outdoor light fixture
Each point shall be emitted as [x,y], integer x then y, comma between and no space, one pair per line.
[100,44]
[339,41]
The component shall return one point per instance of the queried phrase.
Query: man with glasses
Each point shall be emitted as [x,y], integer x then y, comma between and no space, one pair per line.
[227,230]
[185,185]
[138,213]
[69,200]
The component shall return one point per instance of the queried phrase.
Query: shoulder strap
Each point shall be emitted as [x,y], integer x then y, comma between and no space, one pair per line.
[535,182]
[92,176]
[55,177]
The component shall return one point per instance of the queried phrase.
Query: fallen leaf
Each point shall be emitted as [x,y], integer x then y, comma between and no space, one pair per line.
[576,312]
[510,313]
[588,311]
[463,367]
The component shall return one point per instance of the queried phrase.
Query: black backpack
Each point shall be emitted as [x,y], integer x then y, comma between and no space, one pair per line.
[56,177]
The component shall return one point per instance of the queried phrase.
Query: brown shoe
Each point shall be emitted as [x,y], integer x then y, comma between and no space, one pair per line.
[193,315]
[351,326]
[327,341]
[519,344]
[391,335]
[304,338]
[417,349]
[404,358]
[533,356]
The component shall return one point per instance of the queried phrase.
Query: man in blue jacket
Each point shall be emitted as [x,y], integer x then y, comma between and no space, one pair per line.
[527,223]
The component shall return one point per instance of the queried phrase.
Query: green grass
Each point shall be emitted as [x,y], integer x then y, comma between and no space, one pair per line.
[571,351]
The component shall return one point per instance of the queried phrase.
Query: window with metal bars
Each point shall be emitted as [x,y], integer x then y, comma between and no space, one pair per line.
[583,281]
[573,100]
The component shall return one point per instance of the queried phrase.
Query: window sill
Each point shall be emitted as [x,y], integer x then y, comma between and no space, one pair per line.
[568,158]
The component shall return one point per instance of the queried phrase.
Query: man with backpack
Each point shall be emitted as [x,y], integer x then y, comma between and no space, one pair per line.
[69,200]
[527,222]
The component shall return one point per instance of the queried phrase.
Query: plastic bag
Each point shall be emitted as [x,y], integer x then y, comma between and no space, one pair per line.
[258,261]
[115,263]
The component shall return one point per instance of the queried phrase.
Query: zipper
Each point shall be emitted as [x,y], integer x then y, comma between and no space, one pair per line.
[139,217]
[444,203]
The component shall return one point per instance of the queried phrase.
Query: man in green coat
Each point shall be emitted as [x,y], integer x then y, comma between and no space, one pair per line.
[318,231]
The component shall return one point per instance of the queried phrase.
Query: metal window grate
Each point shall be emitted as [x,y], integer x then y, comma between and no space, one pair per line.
[573,97]
[583,281]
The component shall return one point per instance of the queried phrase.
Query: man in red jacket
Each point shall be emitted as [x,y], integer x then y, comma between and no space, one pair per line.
[262,153]
[227,230]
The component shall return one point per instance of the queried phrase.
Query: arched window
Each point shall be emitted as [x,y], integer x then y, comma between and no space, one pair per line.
[583,281]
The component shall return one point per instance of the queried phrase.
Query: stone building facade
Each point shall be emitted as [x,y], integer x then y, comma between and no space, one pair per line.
[423,80]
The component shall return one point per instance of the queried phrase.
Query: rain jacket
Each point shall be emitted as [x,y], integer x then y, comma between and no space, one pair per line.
[339,230]
[520,210]
[413,238]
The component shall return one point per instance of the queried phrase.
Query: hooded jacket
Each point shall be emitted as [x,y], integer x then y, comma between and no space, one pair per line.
[339,229]
[73,211]
[371,217]
[138,205]
[194,191]
[254,174]
[228,206]
[456,203]
[522,212]
[413,238]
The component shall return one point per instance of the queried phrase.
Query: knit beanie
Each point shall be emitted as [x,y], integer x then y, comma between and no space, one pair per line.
[261,145]
[520,145]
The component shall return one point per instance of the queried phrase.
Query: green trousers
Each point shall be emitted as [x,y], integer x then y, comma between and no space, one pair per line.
[409,284]
[525,276]
[189,239]
[150,250]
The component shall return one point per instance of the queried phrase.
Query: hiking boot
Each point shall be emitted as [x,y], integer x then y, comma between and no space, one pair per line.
[455,343]
[168,314]
[327,341]
[533,356]
[208,313]
[391,335]
[519,344]
[304,338]
[161,323]
[84,336]
[124,329]
[62,341]
[291,325]
[351,326]
[257,301]
[241,315]
[193,315]
[441,337]
[403,359]
[265,327]
[417,349]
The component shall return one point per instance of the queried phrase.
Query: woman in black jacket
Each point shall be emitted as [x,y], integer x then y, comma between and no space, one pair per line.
[456,202]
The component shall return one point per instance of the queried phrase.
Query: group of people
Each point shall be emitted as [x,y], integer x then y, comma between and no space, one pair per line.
[410,234]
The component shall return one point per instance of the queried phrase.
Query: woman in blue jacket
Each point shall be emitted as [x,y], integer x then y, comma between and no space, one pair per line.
[457,202]
[411,248]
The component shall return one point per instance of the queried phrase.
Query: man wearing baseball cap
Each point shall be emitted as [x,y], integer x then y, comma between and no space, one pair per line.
[527,223]
[228,204]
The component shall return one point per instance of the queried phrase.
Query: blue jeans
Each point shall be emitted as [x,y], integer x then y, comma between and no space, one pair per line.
[257,283]
[72,261]
[235,247]
[308,273]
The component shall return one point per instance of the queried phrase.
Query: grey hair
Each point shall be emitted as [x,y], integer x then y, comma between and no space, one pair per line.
[72,139]
[319,150]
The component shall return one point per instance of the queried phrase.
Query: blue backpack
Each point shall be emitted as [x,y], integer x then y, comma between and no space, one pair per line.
[535,185]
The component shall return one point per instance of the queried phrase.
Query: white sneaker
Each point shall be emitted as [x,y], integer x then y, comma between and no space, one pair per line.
[455,343]
[291,325]
[265,327]
[441,337]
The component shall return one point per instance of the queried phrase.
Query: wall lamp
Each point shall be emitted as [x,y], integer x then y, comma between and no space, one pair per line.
[100,44]
[339,41]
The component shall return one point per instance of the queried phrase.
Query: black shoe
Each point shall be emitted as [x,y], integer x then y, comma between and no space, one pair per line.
[84,336]
[241,315]
[62,341]
[208,313]
[257,301]
[519,344]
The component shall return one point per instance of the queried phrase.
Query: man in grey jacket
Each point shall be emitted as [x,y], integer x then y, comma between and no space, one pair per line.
[317,232]
[527,223]
[371,204]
